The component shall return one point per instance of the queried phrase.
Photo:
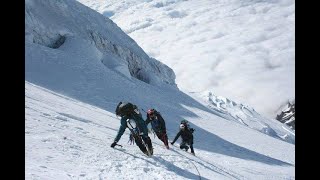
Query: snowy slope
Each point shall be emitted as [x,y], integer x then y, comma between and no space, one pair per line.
[73,85]
[61,24]
[69,139]
[243,50]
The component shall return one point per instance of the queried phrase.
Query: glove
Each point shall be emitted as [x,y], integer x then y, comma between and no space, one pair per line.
[114,144]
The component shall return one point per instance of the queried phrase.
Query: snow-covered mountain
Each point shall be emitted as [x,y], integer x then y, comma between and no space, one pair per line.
[247,116]
[79,65]
[287,115]
[59,24]
[243,50]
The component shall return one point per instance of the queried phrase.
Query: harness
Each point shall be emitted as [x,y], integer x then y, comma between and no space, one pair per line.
[134,130]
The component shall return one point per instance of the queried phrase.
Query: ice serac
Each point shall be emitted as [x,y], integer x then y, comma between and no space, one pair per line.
[54,23]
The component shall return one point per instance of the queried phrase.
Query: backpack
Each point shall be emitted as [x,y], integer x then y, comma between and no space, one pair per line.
[125,108]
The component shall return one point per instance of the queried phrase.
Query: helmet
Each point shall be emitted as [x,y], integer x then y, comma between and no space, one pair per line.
[150,112]
[183,121]
[182,126]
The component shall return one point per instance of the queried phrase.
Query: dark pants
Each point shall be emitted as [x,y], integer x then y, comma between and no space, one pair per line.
[163,137]
[184,145]
[146,140]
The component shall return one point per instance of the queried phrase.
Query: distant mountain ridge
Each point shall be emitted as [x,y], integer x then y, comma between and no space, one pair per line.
[287,115]
[247,116]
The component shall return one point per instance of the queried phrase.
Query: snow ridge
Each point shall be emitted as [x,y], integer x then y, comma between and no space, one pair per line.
[246,116]
[50,23]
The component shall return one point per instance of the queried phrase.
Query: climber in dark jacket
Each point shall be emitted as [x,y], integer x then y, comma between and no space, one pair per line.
[158,125]
[128,111]
[187,137]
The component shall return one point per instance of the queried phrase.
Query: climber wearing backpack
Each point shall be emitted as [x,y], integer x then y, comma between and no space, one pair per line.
[186,135]
[132,118]
[158,125]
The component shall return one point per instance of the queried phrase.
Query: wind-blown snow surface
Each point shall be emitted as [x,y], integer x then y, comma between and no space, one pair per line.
[69,139]
[71,96]
[239,49]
